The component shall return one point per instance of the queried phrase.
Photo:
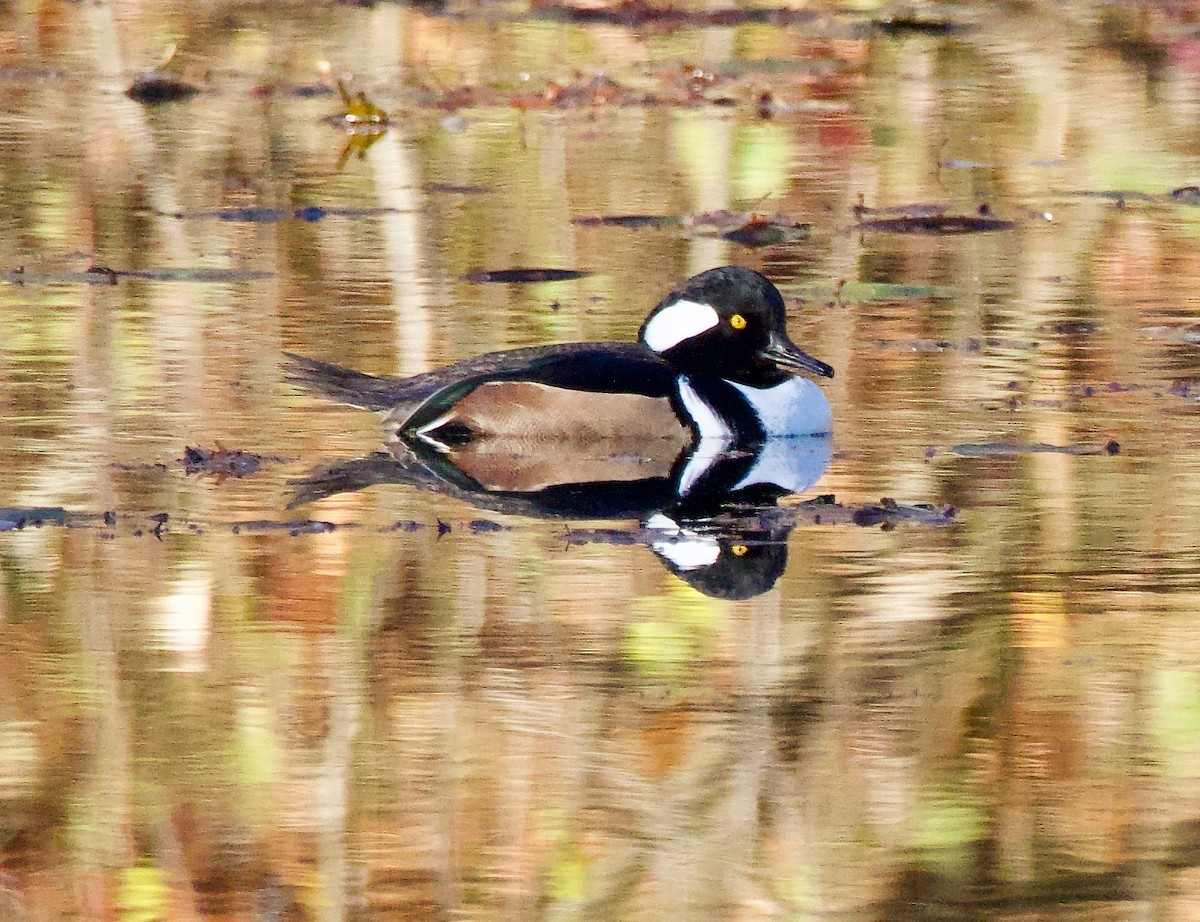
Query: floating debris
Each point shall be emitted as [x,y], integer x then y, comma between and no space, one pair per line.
[912,210]
[1001,449]
[749,229]
[1189,390]
[760,231]
[524,276]
[1119,196]
[971,344]
[739,227]
[360,111]
[300,527]
[1069,327]
[452,189]
[221,462]
[17,518]
[257,214]
[641,13]
[152,89]
[103,275]
[634,221]
[159,84]
[916,25]
[936,224]
[957,163]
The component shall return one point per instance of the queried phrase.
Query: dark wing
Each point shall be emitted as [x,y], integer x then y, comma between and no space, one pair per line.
[413,402]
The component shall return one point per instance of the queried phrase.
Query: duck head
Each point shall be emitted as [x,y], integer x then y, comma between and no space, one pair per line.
[730,323]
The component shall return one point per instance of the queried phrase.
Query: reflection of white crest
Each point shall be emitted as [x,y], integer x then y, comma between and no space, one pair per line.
[790,464]
[677,322]
[684,548]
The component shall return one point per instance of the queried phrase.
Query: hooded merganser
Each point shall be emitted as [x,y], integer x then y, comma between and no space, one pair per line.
[713,364]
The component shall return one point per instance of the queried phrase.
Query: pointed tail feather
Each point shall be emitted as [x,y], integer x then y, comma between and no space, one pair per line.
[342,384]
[346,477]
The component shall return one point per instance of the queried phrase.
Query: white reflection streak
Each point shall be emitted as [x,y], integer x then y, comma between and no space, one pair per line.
[333,783]
[398,187]
[184,621]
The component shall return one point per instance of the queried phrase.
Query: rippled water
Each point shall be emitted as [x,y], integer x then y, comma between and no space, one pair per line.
[398,703]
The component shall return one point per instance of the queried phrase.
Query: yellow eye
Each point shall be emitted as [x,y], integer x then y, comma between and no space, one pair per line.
[739,550]
[738,322]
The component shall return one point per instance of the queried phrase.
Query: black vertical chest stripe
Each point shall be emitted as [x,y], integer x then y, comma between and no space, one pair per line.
[727,402]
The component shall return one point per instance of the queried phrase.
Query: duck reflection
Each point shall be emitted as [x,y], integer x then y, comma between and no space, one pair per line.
[700,509]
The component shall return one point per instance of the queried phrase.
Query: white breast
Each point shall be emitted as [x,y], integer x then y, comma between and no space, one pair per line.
[794,408]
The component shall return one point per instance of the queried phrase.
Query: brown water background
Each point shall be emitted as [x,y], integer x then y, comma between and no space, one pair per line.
[997,719]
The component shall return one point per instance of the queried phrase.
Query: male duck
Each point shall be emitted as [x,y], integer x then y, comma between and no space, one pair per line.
[713,366]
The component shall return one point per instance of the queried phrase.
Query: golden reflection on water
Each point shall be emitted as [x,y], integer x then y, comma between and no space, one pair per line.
[997,719]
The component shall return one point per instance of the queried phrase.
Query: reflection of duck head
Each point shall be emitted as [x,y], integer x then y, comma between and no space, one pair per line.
[682,511]
[725,563]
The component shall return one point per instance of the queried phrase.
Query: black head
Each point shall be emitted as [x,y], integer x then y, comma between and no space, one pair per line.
[722,563]
[731,323]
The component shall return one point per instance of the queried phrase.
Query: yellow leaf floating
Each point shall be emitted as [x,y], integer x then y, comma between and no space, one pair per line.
[359,109]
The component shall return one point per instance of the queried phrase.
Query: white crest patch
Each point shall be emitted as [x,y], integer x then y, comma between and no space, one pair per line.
[677,322]
[683,547]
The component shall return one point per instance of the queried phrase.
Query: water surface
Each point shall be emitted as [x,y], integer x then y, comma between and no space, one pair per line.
[212,709]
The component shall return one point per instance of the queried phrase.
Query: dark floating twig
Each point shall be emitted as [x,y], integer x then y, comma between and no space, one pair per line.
[524,276]
[453,189]
[917,25]
[627,220]
[256,214]
[911,210]
[642,13]
[17,518]
[298,527]
[936,224]
[103,275]
[972,344]
[1002,449]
